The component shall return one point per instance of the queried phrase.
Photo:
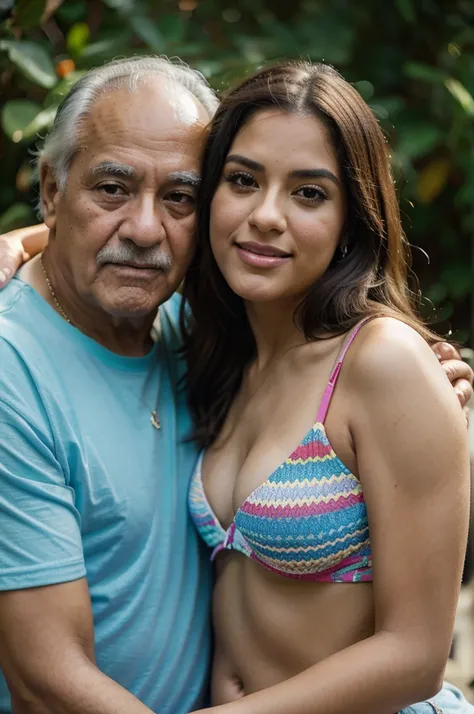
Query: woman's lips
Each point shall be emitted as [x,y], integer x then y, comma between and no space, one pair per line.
[261,256]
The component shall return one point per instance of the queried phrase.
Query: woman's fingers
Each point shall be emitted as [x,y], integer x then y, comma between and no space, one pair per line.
[458,372]
[12,255]
[463,389]
[444,351]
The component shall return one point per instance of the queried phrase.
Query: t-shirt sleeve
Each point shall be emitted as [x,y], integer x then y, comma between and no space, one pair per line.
[40,538]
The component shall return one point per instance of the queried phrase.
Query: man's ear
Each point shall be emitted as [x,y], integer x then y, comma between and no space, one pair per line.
[50,195]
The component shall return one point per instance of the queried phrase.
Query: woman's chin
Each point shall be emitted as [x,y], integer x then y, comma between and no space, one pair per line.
[260,290]
[255,294]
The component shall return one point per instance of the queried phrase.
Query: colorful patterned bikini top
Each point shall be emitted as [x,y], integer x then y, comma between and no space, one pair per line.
[308,520]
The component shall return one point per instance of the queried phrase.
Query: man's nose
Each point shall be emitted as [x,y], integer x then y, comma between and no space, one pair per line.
[144,224]
[269,214]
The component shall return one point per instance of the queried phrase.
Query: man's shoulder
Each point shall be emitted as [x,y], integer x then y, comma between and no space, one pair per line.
[17,313]
[25,346]
[16,291]
[20,303]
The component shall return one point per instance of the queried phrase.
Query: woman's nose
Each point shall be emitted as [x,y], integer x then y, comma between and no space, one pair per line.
[269,215]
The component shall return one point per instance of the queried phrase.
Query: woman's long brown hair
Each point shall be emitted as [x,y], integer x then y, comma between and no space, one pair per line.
[370,281]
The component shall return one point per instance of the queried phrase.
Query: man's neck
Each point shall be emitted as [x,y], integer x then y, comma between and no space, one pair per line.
[130,337]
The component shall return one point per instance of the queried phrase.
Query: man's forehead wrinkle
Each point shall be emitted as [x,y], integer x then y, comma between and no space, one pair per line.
[164,138]
[148,113]
[167,159]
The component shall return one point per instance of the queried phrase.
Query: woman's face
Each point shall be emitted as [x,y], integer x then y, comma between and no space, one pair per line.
[279,210]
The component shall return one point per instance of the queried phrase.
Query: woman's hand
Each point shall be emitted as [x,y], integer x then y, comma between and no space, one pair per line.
[458,372]
[19,246]
[12,255]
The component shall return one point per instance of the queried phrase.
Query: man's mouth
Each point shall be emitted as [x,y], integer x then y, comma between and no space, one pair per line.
[136,266]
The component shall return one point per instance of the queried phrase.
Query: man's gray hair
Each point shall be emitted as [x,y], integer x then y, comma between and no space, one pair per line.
[60,145]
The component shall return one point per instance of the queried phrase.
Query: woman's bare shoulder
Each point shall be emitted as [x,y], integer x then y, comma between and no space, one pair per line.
[388,350]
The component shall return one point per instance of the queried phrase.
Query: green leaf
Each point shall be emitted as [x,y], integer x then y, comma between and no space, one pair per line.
[16,216]
[72,11]
[365,89]
[424,72]
[406,9]
[208,68]
[462,95]
[147,31]
[124,6]
[172,27]
[279,32]
[57,93]
[16,115]
[32,60]
[437,292]
[78,37]
[459,279]
[418,140]
[143,27]
[28,13]
[43,120]
[105,49]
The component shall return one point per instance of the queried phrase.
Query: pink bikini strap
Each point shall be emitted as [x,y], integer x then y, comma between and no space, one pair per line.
[328,392]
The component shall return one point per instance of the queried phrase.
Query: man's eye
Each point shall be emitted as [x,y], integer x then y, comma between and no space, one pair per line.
[180,197]
[111,189]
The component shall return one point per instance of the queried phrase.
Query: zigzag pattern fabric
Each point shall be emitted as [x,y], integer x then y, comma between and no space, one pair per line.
[307,521]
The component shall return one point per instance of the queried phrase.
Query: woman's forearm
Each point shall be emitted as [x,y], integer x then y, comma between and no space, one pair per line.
[34,238]
[380,675]
[18,246]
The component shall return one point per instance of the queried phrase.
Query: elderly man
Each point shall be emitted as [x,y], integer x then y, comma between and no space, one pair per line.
[105,596]
[104,601]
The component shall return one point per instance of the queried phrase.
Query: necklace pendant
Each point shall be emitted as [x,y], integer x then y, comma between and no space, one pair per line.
[155,422]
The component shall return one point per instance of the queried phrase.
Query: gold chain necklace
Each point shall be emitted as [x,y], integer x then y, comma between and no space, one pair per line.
[154,419]
[60,308]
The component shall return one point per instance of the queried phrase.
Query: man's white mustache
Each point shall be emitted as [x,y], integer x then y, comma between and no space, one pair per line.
[146,257]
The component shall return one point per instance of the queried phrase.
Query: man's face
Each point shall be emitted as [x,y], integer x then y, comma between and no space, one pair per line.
[123,229]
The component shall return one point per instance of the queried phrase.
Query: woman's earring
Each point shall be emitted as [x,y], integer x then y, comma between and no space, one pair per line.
[344,251]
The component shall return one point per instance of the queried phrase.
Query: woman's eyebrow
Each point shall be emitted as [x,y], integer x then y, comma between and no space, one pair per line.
[314,174]
[238,159]
[298,173]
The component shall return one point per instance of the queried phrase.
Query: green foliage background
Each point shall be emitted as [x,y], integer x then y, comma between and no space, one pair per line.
[412,60]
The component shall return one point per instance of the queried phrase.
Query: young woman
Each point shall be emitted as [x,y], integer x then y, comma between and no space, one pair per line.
[334,478]
[333,482]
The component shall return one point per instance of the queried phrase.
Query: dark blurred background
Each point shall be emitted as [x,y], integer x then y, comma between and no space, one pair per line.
[412,60]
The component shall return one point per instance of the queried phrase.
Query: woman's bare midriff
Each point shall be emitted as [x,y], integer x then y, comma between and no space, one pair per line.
[269,628]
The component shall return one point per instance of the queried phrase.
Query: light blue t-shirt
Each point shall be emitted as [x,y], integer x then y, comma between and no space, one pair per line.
[88,487]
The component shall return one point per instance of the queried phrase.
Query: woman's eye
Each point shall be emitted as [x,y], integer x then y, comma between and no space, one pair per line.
[241,179]
[311,193]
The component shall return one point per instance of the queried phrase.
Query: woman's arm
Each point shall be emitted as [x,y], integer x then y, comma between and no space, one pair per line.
[19,246]
[411,445]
